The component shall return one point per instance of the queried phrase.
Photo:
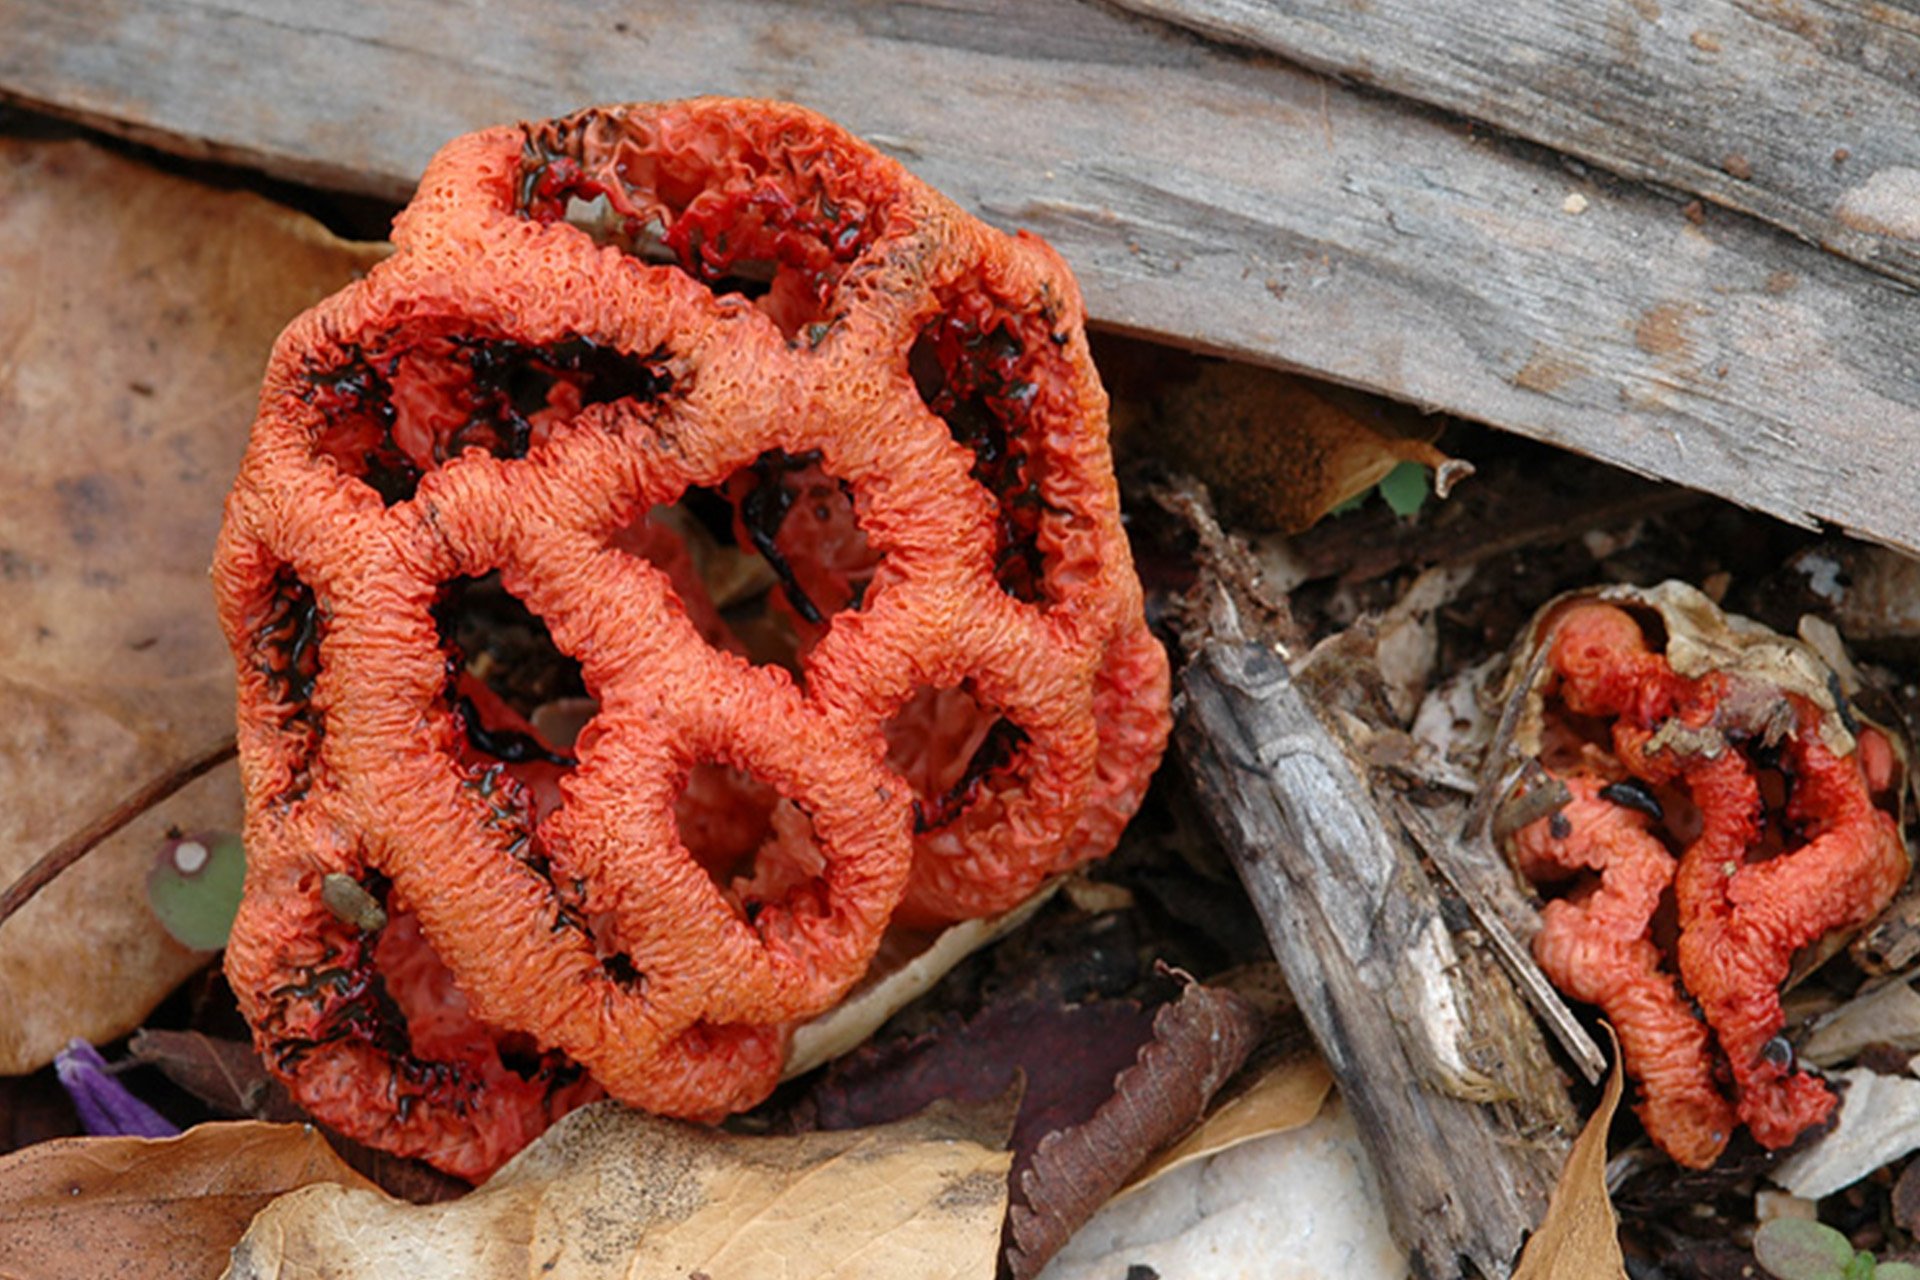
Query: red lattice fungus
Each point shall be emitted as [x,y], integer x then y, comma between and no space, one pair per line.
[1780,844]
[898,404]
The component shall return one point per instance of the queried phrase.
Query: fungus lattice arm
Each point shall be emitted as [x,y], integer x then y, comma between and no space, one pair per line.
[898,402]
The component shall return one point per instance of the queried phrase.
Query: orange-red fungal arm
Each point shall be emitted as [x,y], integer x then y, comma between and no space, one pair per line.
[1597,947]
[899,404]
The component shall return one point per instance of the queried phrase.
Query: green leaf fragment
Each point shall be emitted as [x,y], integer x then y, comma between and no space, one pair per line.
[194,888]
[1405,488]
[1799,1249]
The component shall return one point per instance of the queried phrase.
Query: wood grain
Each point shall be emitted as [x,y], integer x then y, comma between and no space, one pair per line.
[1429,1043]
[1799,112]
[1204,195]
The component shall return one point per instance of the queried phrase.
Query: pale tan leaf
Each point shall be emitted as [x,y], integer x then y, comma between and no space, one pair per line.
[1879,1123]
[1888,1014]
[609,1193]
[1288,1094]
[1580,1239]
[156,1208]
[138,312]
[906,967]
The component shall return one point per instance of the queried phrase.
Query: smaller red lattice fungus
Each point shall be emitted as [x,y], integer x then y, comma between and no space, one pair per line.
[1780,844]
[590,325]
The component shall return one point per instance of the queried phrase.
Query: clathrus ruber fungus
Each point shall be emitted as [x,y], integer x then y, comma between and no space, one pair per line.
[1767,796]
[584,321]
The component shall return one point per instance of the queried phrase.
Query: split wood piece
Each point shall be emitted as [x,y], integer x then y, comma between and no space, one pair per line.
[1240,205]
[1781,111]
[1504,918]
[1447,1075]
[1892,943]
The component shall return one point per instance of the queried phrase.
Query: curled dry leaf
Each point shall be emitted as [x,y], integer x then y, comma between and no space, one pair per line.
[610,1193]
[1579,1238]
[161,1209]
[139,310]
[1288,1094]
[1277,451]
[1199,1041]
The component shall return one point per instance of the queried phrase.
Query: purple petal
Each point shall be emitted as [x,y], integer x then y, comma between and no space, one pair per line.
[105,1106]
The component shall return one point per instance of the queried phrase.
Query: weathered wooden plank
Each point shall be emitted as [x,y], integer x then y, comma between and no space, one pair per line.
[1431,1047]
[1799,112]
[1203,195]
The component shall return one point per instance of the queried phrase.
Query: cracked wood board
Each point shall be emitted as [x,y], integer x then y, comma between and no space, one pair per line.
[1205,195]
[1798,112]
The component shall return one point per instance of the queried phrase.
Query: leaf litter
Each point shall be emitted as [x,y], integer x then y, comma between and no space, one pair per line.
[1199,1041]
[120,693]
[155,1208]
[610,1193]
[1579,1238]
[140,307]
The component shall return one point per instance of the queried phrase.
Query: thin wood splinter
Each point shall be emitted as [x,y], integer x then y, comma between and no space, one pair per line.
[50,864]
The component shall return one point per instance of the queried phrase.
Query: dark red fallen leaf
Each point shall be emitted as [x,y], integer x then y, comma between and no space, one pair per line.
[225,1074]
[1067,1055]
[1198,1042]
[34,1108]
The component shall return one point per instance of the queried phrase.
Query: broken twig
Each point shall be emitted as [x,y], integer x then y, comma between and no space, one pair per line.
[1447,1075]
[82,842]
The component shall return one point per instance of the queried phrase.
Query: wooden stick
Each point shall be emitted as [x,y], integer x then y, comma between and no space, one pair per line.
[1446,1073]
[1464,873]
[82,842]
[1240,205]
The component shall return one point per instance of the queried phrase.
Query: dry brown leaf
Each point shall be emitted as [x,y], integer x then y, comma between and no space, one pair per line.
[1275,450]
[139,309]
[609,1193]
[227,1075]
[1199,1041]
[1288,1094]
[156,1208]
[1580,1238]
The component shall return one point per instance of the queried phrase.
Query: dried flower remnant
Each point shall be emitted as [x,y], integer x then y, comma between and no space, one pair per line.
[1735,757]
[105,1106]
[455,931]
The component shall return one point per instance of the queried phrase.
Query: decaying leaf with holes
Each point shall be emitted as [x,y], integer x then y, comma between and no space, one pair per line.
[893,404]
[1687,753]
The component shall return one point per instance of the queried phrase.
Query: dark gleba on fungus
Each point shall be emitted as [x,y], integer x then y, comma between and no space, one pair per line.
[1677,730]
[898,404]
